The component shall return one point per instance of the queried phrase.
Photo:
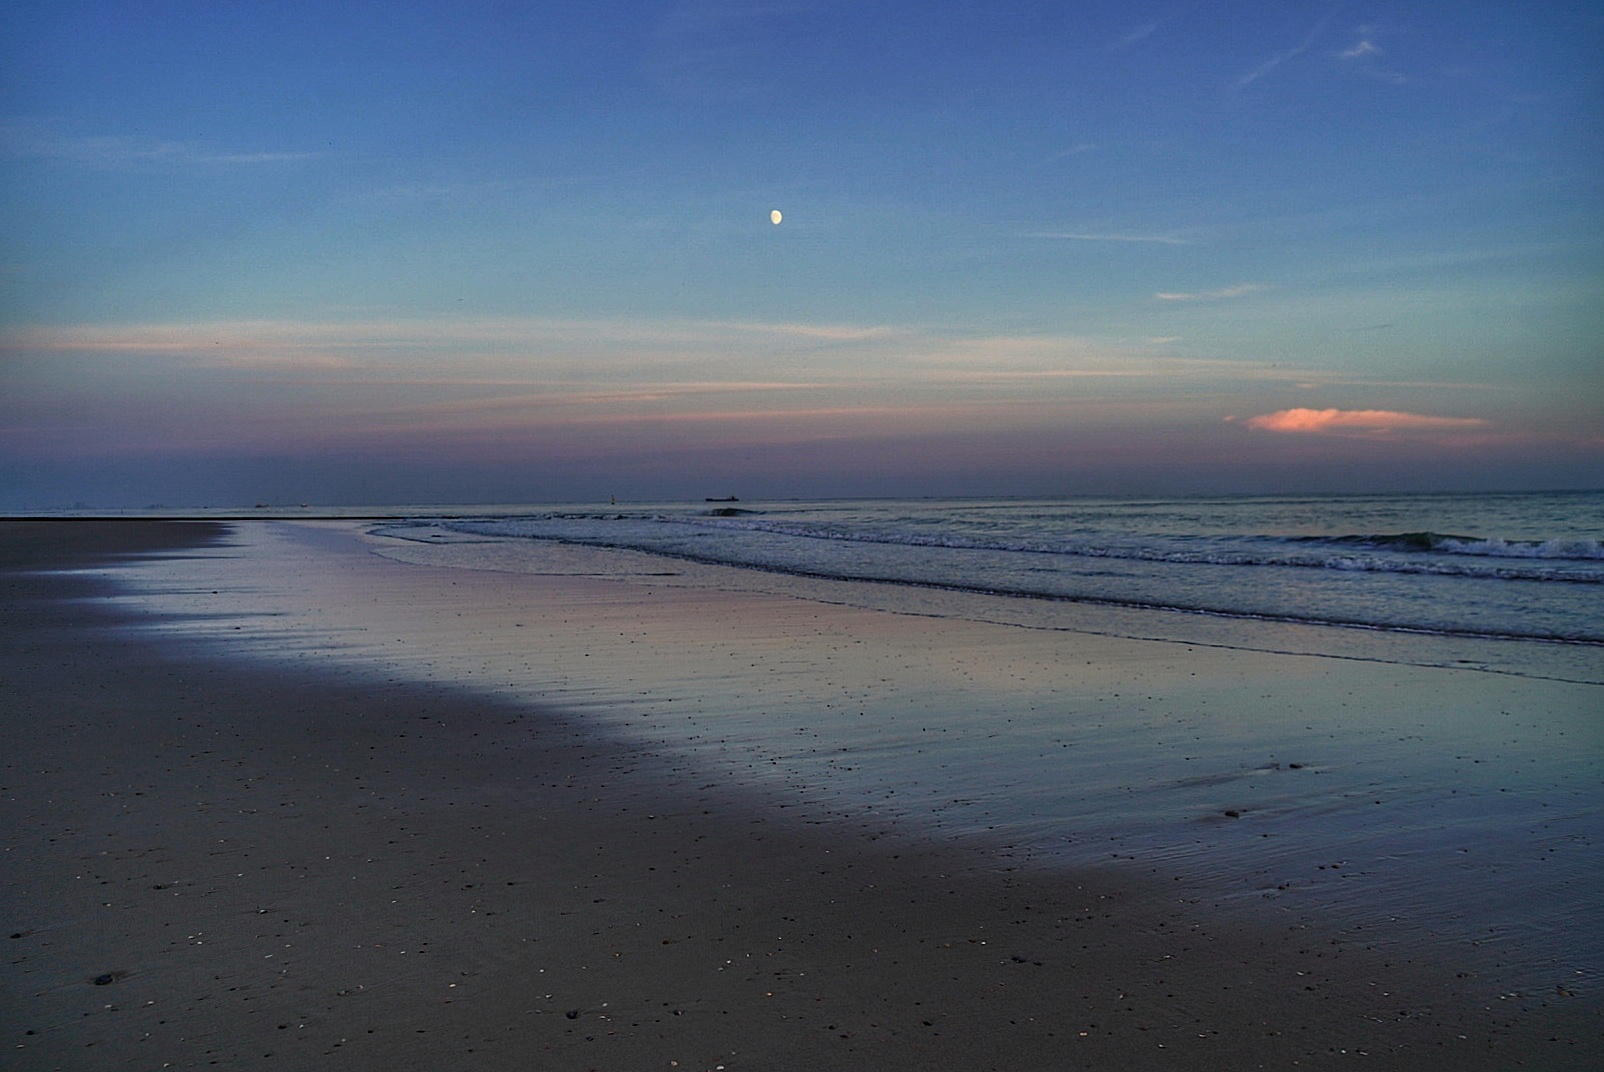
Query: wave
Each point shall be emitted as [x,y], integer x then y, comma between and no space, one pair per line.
[1291,552]
[1419,553]
[1441,543]
[823,570]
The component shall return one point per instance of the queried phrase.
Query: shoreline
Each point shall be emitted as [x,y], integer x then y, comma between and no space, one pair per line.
[276,868]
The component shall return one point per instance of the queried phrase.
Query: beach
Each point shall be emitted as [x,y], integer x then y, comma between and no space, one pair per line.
[220,859]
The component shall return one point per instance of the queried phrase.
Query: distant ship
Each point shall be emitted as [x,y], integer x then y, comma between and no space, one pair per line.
[727,498]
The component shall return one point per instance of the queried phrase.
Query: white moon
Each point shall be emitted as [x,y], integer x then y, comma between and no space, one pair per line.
[775,217]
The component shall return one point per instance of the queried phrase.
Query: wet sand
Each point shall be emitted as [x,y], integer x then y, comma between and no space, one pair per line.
[219,863]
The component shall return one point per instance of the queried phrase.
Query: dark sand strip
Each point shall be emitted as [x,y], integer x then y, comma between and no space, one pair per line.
[217,865]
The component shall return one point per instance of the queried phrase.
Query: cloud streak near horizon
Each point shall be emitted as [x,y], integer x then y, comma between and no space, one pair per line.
[1241,290]
[575,355]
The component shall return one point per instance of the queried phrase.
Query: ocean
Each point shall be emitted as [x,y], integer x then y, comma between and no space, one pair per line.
[1509,582]
[1382,713]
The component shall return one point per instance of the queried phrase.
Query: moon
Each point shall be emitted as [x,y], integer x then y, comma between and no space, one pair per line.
[775,217]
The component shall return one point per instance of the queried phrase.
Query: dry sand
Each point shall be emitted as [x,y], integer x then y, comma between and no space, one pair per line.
[215,864]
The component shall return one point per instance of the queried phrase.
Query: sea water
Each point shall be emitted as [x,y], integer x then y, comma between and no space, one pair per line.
[1406,737]
[1522,571]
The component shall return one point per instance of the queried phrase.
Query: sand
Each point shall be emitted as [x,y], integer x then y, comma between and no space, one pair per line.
[215,863]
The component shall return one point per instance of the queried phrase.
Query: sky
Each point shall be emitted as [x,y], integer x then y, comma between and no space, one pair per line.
[474,251]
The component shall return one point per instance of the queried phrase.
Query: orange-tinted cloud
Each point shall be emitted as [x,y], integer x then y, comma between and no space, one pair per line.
[1358,420]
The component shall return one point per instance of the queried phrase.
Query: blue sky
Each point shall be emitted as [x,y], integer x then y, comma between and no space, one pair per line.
[511,251]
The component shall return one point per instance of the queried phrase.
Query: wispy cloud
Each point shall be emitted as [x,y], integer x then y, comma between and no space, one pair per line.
[720,49]
[445,191]
[115,152]
[1283,57]
[592,360]
[327,344]
[1326,421]
[1365,56]
[1095,236]
[559,396]
[827,332]
[1241,290]
[1140,33]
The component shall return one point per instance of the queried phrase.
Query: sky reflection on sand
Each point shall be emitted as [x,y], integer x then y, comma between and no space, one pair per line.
[1385,799]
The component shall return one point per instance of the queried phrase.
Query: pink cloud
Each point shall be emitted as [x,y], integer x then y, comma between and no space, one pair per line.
[1360,420]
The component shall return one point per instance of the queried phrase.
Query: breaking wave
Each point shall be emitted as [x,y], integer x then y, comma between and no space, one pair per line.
[1263,558]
